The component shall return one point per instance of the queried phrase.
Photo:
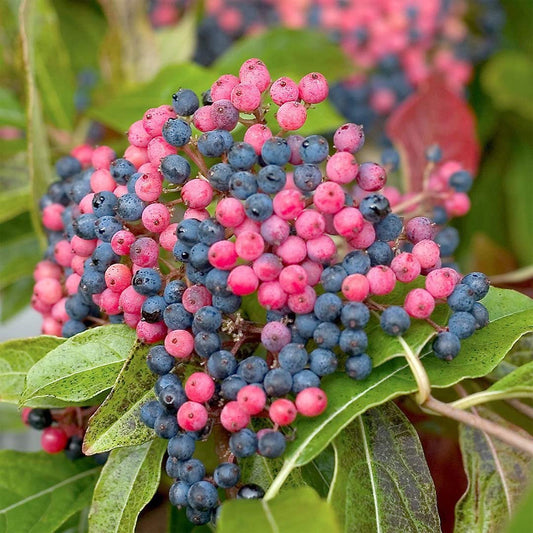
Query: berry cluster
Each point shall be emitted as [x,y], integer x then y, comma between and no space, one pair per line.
[189,233]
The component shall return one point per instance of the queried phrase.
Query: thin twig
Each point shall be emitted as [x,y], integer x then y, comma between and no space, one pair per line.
[521,407]
[419,372]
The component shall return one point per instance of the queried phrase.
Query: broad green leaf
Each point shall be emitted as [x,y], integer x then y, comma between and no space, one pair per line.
[117,422]
[319,472]
[15,297]
[38,149]
[382,347]
[39,492]
[381,480]
[13,202]
[10,420]
[119,111]
[521,521]
[512,317]
[11,112]
[507,78]
[83,367]
[497,477]
[16,359]
[295,510]
[128,482]
[18,259]
[303,51]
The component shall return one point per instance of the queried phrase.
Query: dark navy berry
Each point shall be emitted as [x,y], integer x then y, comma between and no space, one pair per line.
[166,426]
[481,315]
[448,240]
[146,281]
[202,496]
[253,369]
[226,475]
[175,169]
[306,324]
[159,361]
[293,358]
[314,149]
[271,444]
[395,321]
[242,156]
[221,364]
[326,335]
[208,318]
[322,362]
[172,466]
[446,345]
[307,177]
[174,291]
[192,471]
[242,184]
[67,166]
[276,151]
[356,262]
[353,341]
[271,179]
[181,446]
[210,231]
[462,324]
[462,298]
[355,315]
[243,443]
[107,226]
[374,208]
[178,493]
[73,449]
[172,397]
[150,412]
[152,309]
[39,418]
[85,226]
[219,176]
[187,231]
[328,307]
[211,144]
[277,382]
[389,229]
[359,366]
[72,327]
[165,381]
[216,282]
[380,253]
[227,304]
[461,181]
[176,132]
[303,380]
[121,169]
[177,317]
[478,282]
[104,203]
[231,386]
[332,278]
[185,102]
[258,207]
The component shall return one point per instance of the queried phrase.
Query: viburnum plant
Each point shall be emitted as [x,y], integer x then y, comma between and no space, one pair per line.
[242,304]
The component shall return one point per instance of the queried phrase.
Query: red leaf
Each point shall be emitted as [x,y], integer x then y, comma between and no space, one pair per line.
[433,115]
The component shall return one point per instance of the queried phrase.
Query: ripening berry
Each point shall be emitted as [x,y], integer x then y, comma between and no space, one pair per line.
[245,97]
[196,297]
[151,332]
[192,416]
[203,120]
[419,303]
[311,401]
[329,197]
[254,71]
[310,224]
[197,193]
[313,88]
[303,302]
[293,250]
[230,212]
[251,399]
[179,343]
[256,135]
[249,245]
[441,282]
[283,90]
[282,412]
[222,87]
[355,287]
[53,439]
[275,335]
[343,168]
[199,387]
[233,417]
[321,250]
[156,217]
[293,279]
[118,277]
[222,255]
[242,280]
[291,116]
[267,267]
[348,222]
[122,241]
[289,203]
[349,138]
[270,295]
[381,280]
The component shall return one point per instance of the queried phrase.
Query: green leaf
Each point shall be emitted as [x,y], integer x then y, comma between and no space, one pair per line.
[511,317]
[16,359]
[18,259]
[128,482]
[13,203]
[117,422]
[521,521]
[296,510]
[15,297]
[10,420]
[382,347]
[319,472]
[83,367]
[38,149]
[119,111]
[382,481]
[497,477]
[176,44]
[11,112]
[39,492]
[507,78]
[303,51]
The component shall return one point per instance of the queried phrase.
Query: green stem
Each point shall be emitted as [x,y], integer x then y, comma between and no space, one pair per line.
[487,396]
[419,372]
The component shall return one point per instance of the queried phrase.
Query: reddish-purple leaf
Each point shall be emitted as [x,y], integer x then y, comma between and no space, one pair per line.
[433,115]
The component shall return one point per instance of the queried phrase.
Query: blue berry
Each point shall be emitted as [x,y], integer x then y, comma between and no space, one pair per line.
[356,262]
[353,341]
[434,153]
[390,158]
[446,345]
[197,518]
[253,369]
[276,151]
[307,177]
[177,317]
[76,307]
[306,324]
[219,176]
[178,493]
[271,444]
[104,203]
[210,231]
[440,216]
[332,278]
[355,315]
[146,281]
[103,257]
[221,364]
[293,358]
[461,181]
[121,169]
[395,321]
[206,343]
[198,256]
[175,169]
[226,475]
[462,298]
[216,282]
[192,471]
[322,362]
[85,226]
[176,132]
[231,386]
[303,380]
[478,282]
[166,426]
[174,291]
[92,282]
[271,179]
[159,361]
[462,324]
[380,253]
[314,149]
[448,240]
[165,381]
[106,227]
[258,207]
[150,412]
[277,382]
[326,335]
[389,229]
[67,166]
[72,327]
[243,443]
[208,318]
[211,144]
[132,181]
[182,252]
[172,466]
[187,231]
[358,366]
[328,307]
[152,309]
[202,496]
[374,207]
[227,304]
[242,156]
[172,397]
[481,315]
[185,102]
[242,184]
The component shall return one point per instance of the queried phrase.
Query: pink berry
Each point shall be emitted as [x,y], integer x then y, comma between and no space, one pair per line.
[251,399]
[52,217]
[230,212]
[406,267]
[156,217]
[348,222]
[144,252]
[53,439]
[78,264]
[275,230]
[192,416]
[349,138]
[137,156]
[284,90]
[203,120]
[293,279]
[120,190]
[132,319]
[168,237]
[50,326]
[322,249]
[158,149]
[117,277]
[293,250]
[311,401]
[419,229]
[291,116]
[310,224]
[83,153]
[155,118]
[63,253]
[72,283]
[199,387]
[371,177]
[47,269]
[102,157]
[48,290]
[419,303]
[364,238]
[221,89]
[314,270]
[304,302]
[254,71]
[247,225]
[329,197]
[275,335]
[179,343]
[151,332]
[222,254]
[267,267]
[195,297]
[224,115]
[245,97]
[121,242]
[198,214]
[256,135]
[110,302]
[282,412]
[233,417]
[59,312]
[427,252]
[242,280]
[289,203]
[131,301]
[83,247]
[342,168]
[295,142]
[86,204]
[457,205]
[355,287]
[440,283]
[313,88]
[249,245]
[101,180]
[381,280]
[271,296]
[197,193]
[138,136]
[149,187]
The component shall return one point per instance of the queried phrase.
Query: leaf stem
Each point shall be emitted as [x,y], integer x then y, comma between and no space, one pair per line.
[509,437]
[487,396]
[419,372]
[521,407]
